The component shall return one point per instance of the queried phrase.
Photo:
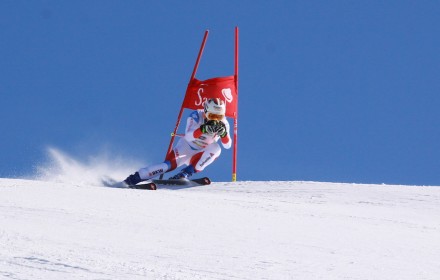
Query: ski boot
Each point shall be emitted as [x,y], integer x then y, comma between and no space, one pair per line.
[184,173]
[132,180]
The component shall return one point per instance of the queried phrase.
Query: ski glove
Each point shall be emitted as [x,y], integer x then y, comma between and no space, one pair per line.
[221,130]
[210,127]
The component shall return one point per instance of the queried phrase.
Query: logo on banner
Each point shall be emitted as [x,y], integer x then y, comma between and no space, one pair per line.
[201,99]
[227,93]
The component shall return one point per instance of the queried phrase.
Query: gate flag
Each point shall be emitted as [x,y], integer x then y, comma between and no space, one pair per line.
[198,92]
[222,87]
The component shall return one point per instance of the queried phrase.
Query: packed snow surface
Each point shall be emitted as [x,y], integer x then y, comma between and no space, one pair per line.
[242,230]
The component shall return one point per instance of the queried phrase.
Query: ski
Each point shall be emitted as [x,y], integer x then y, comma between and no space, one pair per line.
[184,182]
[172,182]
[111,183]
[144,186]
[152,184]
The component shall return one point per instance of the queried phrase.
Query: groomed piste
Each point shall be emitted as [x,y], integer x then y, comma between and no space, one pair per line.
[242,230]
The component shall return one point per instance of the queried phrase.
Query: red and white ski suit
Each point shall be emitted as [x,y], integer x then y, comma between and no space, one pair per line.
[195,148]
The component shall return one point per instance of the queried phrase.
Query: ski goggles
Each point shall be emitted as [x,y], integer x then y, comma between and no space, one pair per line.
[216,117]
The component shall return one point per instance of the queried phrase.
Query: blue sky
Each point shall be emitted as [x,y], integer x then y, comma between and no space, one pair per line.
[340,91]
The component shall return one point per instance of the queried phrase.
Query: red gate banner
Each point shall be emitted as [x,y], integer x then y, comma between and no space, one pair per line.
[222,87]
[225,88]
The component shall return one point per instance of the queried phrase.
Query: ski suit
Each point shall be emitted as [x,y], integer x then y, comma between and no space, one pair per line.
[195,148]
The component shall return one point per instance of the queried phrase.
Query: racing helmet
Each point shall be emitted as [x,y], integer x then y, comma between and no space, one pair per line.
[215,109]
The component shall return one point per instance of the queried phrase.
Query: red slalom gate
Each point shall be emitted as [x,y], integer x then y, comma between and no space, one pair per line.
[199,91]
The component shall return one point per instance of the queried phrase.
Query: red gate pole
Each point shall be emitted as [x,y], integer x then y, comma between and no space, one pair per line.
[234,151]
[173,134]
[202,47]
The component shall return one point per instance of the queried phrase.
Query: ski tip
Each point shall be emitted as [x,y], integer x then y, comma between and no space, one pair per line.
[207,181]
[144,186]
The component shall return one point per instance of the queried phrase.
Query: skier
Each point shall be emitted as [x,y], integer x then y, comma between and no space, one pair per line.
[197,149]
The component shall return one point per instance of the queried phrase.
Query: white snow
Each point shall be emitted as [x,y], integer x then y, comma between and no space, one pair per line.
[242,230]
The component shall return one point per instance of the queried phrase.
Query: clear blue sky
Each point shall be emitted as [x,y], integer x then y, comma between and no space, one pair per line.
[341,91]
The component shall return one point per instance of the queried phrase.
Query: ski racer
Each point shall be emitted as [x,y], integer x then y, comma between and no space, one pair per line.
[197,149]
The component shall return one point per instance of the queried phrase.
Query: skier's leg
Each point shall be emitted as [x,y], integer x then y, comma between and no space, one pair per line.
[185,154]
[180,155]
[184,173]
[146,173]
[201,160]
[153,171]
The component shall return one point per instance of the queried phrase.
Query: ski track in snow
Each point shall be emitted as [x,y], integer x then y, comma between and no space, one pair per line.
[241,230]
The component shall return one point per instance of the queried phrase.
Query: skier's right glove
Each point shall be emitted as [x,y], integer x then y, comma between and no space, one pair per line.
[210,127]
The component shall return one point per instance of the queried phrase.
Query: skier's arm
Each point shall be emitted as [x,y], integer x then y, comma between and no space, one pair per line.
[226,140]
[192,130]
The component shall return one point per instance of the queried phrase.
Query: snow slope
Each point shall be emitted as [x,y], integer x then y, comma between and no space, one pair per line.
[242,230]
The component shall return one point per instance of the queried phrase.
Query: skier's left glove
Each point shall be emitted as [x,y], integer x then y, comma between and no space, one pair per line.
[221,130]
